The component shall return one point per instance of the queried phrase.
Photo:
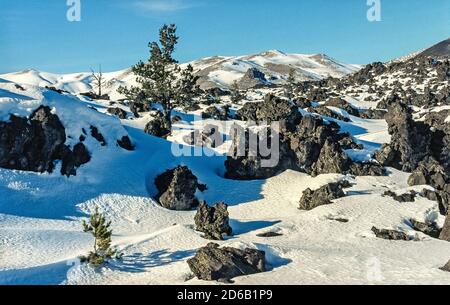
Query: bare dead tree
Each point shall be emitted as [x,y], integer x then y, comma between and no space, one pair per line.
[99,81]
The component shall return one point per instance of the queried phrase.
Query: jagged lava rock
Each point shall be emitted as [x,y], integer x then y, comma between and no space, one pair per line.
[212,263]
[322,196]
[176,189]
[390,234]
[214,221]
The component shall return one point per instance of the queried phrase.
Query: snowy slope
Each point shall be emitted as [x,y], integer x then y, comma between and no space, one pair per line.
[41,214]
[213,71]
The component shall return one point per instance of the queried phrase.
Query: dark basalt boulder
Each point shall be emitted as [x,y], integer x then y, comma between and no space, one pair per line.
[429,172]
[407,197]
[445,233]
[318,147]
[35,144]
[212,263]
[248,112]
[157,127]
[322,196]
[366,169]
[331,160]
[138,107]
[71,160]
[428,228]
[217,113]
[98,136]
[177,188]
[302,102]
[125,143]
[373,114]
[269,234]
[410,142]
[208,137]
[120,113]
[446,267]
[390,234]
[437,119]
[272,109]
[31,145]
[213,221]
[245,164]
[95,96]
[52,88]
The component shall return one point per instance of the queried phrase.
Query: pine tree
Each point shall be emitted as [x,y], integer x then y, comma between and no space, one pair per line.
[236,95]
[161,78]
[100,230]
[290,85]
[187,87]
[99,81]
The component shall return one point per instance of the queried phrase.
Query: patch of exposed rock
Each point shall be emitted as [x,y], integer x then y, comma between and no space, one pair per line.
[213,220]
[428,228]
[390,234]
[253,78]
[272,109]
[221,113]
[212,263]
[406,197]
[373,114]
[445,233]
[118,112]
[446,267]
[157,127]
[210,136]
[322,196]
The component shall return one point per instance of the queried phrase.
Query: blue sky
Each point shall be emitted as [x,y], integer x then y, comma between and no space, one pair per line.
[115,33]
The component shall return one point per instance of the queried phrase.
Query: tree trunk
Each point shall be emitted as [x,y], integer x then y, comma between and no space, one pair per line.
[168,119]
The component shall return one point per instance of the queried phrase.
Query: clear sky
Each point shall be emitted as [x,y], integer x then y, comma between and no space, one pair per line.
[115,33]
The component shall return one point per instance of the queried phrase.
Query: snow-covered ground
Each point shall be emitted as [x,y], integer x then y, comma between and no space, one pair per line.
[40,214]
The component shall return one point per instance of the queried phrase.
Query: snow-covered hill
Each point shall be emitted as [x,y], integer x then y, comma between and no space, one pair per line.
[213,71]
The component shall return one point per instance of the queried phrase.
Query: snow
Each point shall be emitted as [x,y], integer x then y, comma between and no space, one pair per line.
[222,71]
[41,214]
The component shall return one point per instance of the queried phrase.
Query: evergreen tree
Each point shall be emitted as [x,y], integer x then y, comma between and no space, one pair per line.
[290,85]
[100,230]
[236,95]
[187,87]
[161,78]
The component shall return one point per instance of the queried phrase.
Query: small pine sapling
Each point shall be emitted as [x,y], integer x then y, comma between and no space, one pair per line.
[101,231]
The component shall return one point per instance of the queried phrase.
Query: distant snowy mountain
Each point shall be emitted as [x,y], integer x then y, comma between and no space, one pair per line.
[272,66]
[275,65]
